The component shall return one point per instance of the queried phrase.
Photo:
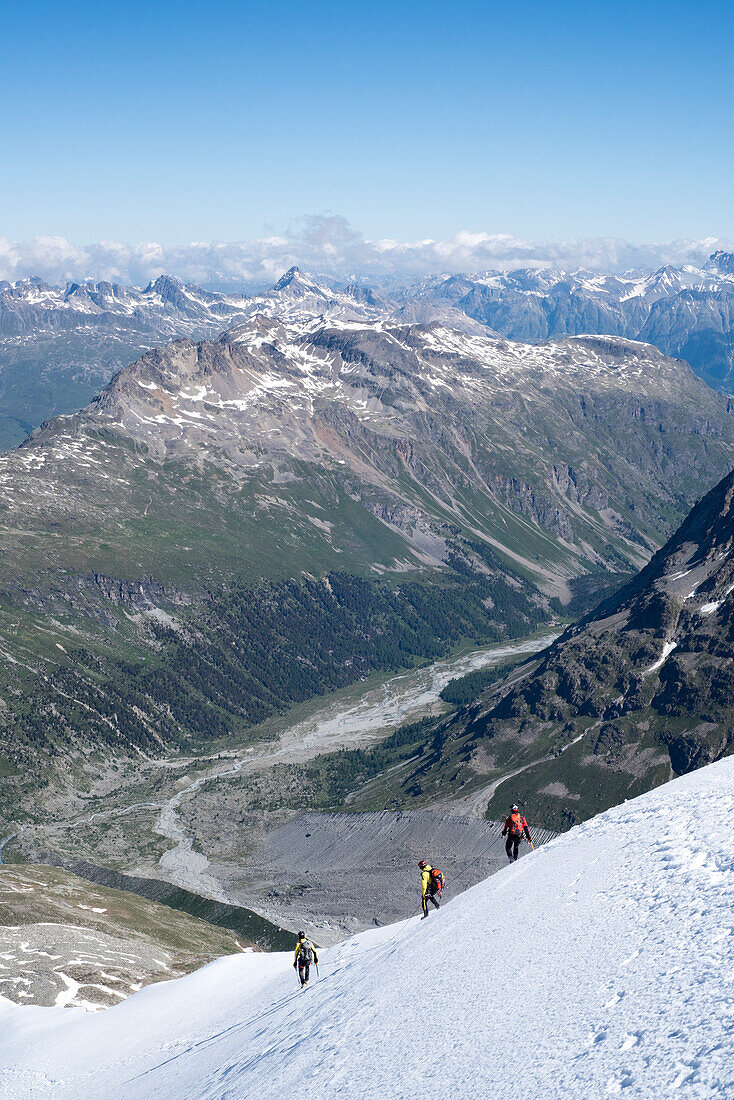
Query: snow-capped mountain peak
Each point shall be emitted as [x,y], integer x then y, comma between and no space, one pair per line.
[721,262]
[292,275]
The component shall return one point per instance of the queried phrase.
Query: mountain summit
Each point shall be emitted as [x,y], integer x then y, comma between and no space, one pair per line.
[288,278]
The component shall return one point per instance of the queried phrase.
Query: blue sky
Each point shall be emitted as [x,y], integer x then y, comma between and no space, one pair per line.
[189,121]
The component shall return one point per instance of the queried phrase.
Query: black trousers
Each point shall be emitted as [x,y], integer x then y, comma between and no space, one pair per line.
[512,845]
[303,972]
[430,896]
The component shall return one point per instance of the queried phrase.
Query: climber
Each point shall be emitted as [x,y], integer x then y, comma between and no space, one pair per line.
[515,827]
[432,884]
[305,954]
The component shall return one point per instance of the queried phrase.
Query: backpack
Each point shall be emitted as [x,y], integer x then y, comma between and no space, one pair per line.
[305,955]
[516,824]
[437,880]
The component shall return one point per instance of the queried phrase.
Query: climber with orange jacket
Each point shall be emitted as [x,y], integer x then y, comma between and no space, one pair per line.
[515,828]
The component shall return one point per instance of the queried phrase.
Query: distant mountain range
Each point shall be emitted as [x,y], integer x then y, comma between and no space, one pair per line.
[60,346]
[686,312]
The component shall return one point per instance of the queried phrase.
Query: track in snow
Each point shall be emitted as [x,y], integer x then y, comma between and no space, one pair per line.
[600,965]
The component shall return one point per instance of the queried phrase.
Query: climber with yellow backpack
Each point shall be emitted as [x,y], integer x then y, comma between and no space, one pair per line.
[432,884]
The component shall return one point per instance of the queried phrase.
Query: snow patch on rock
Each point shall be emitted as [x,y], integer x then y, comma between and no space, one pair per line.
[667,650]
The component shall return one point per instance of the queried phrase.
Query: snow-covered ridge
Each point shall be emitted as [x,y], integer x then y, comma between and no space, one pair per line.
[645,285]
[267,375]
[33,305]
[169,307]
[599,965]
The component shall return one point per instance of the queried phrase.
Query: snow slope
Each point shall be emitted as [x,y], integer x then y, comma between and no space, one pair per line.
[601,964]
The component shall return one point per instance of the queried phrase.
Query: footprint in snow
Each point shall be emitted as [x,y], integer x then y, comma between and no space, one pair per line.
[685,1076]
[621,1080]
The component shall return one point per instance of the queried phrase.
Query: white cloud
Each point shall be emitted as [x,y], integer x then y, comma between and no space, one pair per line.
[329,245]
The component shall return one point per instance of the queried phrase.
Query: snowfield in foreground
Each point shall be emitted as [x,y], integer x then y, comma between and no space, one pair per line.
[601,964]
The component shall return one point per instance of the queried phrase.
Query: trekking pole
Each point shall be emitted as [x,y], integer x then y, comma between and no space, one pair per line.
[531,844]
[317,971]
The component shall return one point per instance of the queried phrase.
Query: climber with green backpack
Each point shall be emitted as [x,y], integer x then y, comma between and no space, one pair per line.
[432,884]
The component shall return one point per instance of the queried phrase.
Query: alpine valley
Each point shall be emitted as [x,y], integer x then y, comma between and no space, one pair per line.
[337,492]
[366,552]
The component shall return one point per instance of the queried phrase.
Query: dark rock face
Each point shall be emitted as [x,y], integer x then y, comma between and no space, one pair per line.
[640,690]
[140,595]
[696,326]
[286,279]
[721,262]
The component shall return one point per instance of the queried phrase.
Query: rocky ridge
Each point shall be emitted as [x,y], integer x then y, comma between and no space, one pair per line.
[563,457]
[60,345]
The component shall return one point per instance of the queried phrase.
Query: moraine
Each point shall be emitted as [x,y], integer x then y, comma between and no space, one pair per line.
[337,725]
[354,717]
